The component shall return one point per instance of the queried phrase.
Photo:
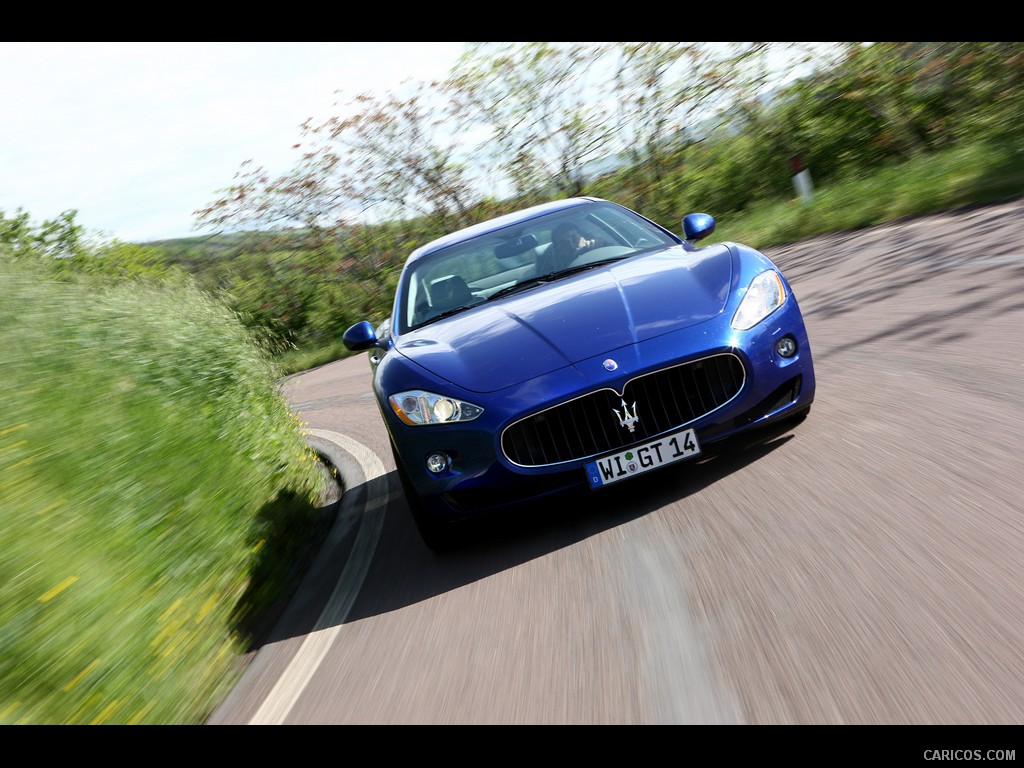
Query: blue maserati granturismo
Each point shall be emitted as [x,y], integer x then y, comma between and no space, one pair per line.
[575,344]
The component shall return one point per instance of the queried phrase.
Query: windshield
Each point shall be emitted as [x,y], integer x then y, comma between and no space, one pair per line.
[518,257]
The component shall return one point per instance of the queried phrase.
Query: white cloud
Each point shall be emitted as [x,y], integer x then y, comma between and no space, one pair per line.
[137,136]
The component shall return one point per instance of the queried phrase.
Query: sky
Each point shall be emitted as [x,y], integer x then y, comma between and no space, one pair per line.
[135,137]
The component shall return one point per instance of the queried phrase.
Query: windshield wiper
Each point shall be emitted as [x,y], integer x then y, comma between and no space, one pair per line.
[585,267]
[525,285]
[448,313]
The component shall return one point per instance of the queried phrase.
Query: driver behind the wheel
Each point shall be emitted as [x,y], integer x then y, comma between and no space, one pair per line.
[566,244]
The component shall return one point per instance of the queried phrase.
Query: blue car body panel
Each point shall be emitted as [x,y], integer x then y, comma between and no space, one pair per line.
[562,323]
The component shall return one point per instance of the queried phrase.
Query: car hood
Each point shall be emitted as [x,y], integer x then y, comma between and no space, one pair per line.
[519,337]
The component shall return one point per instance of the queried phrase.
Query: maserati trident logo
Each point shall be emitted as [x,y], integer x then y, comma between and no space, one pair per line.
[630,419]
[610,365]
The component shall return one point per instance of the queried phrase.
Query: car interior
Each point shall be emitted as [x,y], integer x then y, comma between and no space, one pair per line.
[472,272]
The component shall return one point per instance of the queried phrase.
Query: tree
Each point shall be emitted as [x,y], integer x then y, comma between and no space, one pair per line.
[767,122]
[543,108]
[402,155]
[666,96]
[62,237]
[387,159]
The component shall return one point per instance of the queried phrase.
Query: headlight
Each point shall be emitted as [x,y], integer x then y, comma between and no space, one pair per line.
[765,294]
[417,407]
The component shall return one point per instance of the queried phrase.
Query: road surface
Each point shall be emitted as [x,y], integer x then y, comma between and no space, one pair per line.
[863,567]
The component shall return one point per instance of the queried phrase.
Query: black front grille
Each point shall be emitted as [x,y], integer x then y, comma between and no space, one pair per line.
[589,426]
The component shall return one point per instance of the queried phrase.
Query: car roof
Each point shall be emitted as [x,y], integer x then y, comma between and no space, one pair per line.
[500,222]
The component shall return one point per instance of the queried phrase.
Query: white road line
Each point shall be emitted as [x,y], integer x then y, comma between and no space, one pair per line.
[315,645]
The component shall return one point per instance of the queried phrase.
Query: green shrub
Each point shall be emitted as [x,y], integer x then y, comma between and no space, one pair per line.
[141,433]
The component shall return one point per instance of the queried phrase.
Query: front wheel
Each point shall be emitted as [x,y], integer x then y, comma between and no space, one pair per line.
[438,536]
[800,416]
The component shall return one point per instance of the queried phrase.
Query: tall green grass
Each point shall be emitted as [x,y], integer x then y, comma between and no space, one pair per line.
[141,435]
[972,173]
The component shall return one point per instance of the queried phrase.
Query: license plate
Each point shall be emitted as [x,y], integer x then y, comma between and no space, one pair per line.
[642,458]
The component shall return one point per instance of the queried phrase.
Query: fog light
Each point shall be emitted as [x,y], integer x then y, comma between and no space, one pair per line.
[786,346]
[438,462]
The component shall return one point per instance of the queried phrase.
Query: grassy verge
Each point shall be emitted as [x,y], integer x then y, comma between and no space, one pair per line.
[312,356]
[146,459]
[961,176]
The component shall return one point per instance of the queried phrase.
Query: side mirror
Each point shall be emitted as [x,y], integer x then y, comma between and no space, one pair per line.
[697,226]
[360,336]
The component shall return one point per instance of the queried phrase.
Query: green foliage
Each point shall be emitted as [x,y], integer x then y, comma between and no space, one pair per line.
[61,249]
[20,239]
[141,436]
[536,101]
[958,176]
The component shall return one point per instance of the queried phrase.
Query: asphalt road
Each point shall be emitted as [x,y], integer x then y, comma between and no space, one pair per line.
[863,567]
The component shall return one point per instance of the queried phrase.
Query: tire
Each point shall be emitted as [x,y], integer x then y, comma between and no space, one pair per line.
[438,536]
[800,417]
